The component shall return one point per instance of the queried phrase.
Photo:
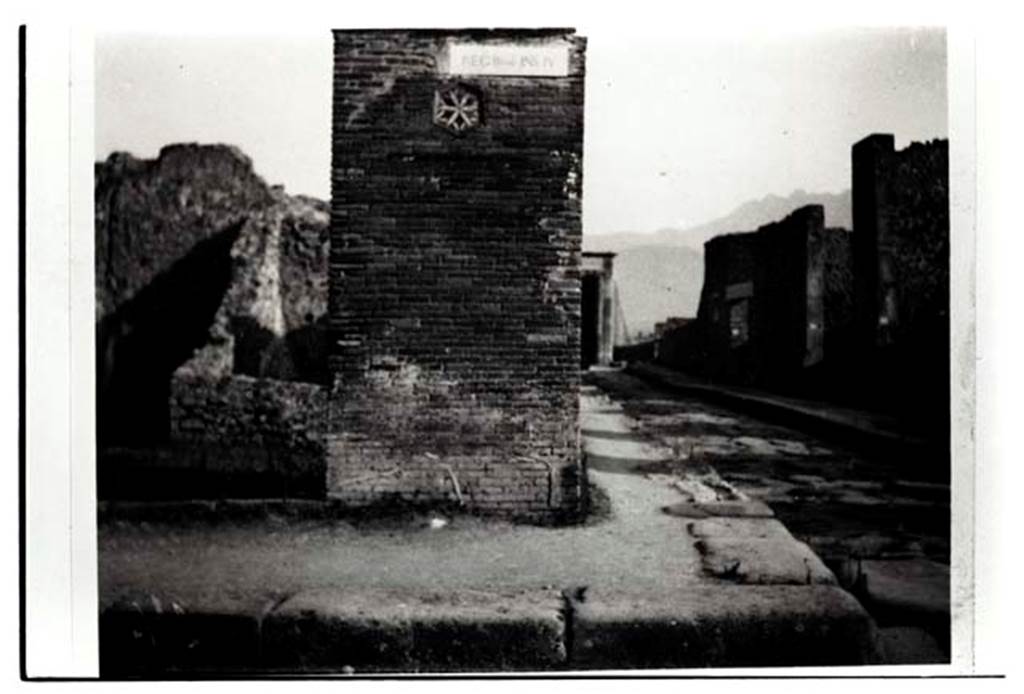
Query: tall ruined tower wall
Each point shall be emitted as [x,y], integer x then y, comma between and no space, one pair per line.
[454,269]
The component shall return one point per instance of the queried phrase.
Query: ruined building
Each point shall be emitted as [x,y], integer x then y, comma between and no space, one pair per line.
[901,270]
[211,301]
[454,270]
[762,316]
[859,317]
[901,239]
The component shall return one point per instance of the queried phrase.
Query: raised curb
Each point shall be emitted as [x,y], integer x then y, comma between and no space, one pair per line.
[143,634]
[337,629]
[350,632]
[722,626]
[751,508]
[332,630]
[836,427]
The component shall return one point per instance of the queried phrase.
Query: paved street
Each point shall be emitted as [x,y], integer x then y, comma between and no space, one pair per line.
[672,553]
[880,523]
[842,503]
[699,509]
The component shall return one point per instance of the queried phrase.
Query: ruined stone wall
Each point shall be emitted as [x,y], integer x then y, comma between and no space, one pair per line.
[150,213]
[901,236]
[681,346]
[839,293]
[202,269]
[787,329]
[766,304]
[455,287]
[901,263]
[245,429]
[918,231]
[271,322]
[730,260]
[860,318]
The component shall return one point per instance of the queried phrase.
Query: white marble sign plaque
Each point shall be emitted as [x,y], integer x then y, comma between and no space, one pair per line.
[548,60]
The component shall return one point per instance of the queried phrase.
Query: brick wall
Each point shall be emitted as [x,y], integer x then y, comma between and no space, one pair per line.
[454,274]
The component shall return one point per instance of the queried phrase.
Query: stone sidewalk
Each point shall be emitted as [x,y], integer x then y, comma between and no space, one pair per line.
[878,518]
[684,571]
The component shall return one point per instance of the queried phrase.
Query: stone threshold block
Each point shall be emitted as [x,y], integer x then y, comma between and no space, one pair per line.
[143,634]
[721,626]
[340,630]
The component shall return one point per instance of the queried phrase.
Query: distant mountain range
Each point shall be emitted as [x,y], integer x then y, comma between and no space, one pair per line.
[659,275]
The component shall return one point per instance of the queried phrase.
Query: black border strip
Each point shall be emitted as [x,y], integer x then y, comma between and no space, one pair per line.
[471,678]
[22,40]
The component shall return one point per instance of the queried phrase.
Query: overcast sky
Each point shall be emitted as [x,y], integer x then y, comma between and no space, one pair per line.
[678,130]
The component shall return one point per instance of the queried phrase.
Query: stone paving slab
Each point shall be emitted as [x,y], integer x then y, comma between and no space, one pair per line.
[613,435]
[624,449]
[721,626]
[907,592]
[721,509]
[352,631]
[594,400]
[606,422]
[747,529]
[764,562]
[756,550]
[851,426]
[910,646]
